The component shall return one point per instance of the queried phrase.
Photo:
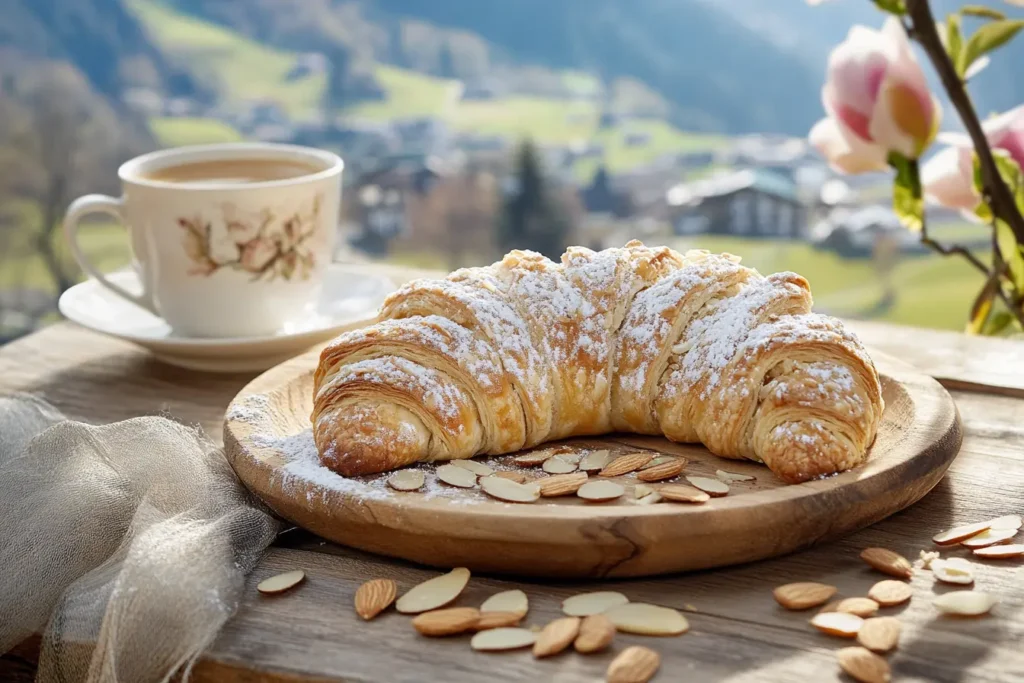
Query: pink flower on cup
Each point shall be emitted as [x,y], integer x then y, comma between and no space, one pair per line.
[877,101]
[948,177]
[257,253]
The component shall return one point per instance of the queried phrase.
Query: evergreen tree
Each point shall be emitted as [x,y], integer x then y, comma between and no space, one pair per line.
[531,219]
[446,62]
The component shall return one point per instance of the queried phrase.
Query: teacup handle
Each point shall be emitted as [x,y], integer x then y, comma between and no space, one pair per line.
[99,203]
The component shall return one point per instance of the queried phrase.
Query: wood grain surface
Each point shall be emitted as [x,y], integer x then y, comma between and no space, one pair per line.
[738,633]
[566,537]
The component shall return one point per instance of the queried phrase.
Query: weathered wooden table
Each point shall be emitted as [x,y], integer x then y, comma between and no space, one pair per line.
[738,633]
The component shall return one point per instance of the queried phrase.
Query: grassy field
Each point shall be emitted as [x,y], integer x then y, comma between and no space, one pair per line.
[175,132]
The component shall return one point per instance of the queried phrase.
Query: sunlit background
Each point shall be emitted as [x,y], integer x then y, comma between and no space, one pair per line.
[471,127]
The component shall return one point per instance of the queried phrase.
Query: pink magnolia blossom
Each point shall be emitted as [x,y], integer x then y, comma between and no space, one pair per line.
[948,177]
[877,101]
[257,253]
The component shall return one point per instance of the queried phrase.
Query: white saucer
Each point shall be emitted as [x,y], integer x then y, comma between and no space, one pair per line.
[351,296]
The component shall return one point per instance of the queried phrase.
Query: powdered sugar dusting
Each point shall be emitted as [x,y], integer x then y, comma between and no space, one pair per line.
[249,410]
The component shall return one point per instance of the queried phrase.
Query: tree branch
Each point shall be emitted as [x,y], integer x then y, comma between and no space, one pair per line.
[998,195]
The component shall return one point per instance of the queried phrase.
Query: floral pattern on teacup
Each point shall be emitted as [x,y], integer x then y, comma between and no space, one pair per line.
[260,243]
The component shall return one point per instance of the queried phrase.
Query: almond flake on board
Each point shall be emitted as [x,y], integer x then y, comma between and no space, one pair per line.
[682,493]
[715,488]
[434,593]
[650,620]
[533,458]
[509,491]
[803,595]
[489,620]
[730,477]
[842,624]
[507,601]
[1006,522]
[665,470]
[863,665]
[596,633]
[888,562]
[281,582]
[517,477]
[650,499]
[954,570]
[556,464]
[594,461]
[624,464]
[556,636]
[890,592]
[600,491]
[989,537]
[880,634]
[960,533]
[1000,552]
[561,484]
[862,607]
[585,604]
[456,476]
[965,603]
[641,490]
[636,664]
[474,466]
[446,622]
[375,596]
[505,638]
[406,480]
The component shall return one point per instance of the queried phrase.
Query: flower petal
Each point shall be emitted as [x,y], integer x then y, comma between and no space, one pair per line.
[846,153]
[945,182]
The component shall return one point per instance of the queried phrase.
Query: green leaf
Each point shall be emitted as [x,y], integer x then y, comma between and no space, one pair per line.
[982,11]
[954,39]
[1011,174]
[907,199]
[892,6]
[982,307]
[1011,253]
[987,38]
[998,322]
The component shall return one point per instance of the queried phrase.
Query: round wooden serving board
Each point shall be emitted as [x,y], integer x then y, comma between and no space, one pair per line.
[269,443]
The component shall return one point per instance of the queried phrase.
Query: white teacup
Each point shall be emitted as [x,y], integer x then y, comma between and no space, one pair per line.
[229,240]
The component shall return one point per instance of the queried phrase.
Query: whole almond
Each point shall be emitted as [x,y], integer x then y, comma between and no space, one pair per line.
[489,620]
[890,592]
[803,595]
[862,607]
[842,624]
[375,596]
[625,464]
[556,636]
[888,562]
[561,484]
[636,664]
[517,477]
[660,460]
[447,622]
[665,470]
[880,634]
[863,665]
[596,634]
[594,461]
[435,593]
[681,493]
[533,458]
[474,466]
[281,582]
[507,601]
[960,533]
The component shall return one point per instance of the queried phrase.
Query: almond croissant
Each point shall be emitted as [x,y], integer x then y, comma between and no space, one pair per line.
[695,347]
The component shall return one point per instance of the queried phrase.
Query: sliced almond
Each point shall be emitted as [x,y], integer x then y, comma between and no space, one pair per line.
[681,493]
[636,664]
[730,477]
[595,461]
[600,491]
[375,596]
[953,570]
[281,582]
[842,624]
[507,601]
[715,488]
[890,592]
[661,460]
[926,559]
[517,477]
[880,634]
[561,484]
[1006,522]
[585,604]
[446,622]
[1000,552]
[456,476]
[863,665]
[509,491]
[474,466]
[862,607]
[652,499]
[558,465]
[556,636]
[625,464]
[406,480]
[506,638]
[489,620]
[665,470]
[965,603]
[960,533]
[649,620]
[803,595]
[533,458]
[887,562]
[435,593]
[596,634]
[641,490]
[989,537]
